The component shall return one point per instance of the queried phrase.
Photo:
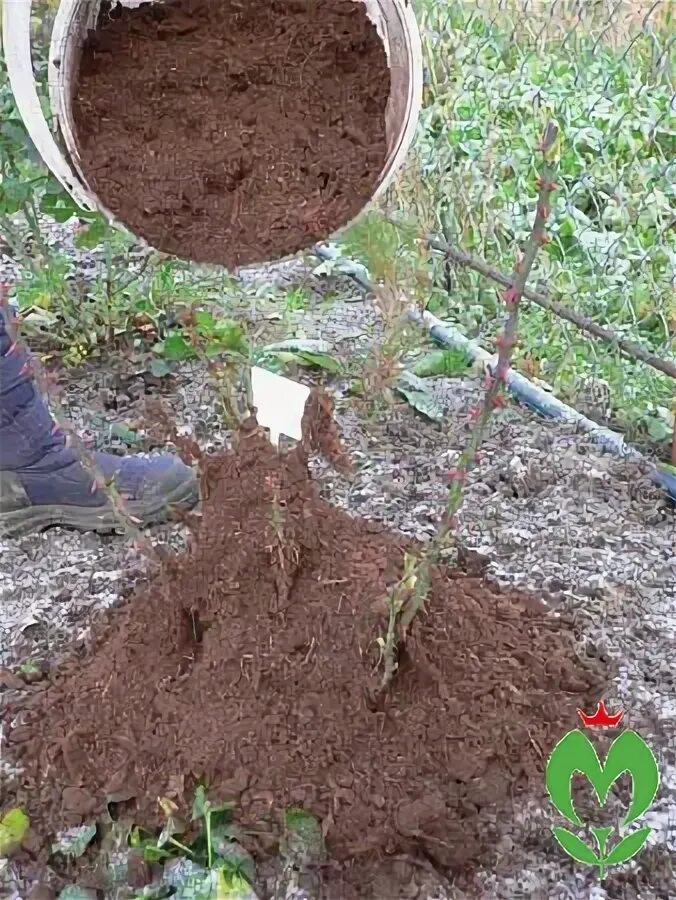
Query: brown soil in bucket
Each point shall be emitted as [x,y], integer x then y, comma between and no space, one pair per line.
[248,660]
[233,132]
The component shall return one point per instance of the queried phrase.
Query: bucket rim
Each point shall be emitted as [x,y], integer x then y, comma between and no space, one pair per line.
[60,101]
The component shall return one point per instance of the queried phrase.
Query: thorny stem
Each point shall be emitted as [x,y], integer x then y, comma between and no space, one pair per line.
[410,592]
[125,519]
[403,593]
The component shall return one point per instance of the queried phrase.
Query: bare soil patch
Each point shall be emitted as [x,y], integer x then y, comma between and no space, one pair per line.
[246,663]
[230,133]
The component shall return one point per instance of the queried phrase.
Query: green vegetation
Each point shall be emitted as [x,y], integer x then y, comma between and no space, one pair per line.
[199,854]
[493,78]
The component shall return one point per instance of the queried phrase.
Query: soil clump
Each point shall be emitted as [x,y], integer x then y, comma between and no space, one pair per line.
[233,132]
[246,663]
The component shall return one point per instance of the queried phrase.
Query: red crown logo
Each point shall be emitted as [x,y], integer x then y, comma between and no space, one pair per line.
[601,718]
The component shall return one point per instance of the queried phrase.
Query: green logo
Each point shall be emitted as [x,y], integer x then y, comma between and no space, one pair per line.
[576,753]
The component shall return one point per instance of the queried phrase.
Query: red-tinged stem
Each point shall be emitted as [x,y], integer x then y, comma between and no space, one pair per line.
[402,598]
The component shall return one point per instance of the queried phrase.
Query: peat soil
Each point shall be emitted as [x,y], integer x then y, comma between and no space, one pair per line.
[228,134]
[249,661]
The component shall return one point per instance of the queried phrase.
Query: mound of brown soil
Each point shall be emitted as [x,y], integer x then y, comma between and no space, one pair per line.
[247,663]
[233,132]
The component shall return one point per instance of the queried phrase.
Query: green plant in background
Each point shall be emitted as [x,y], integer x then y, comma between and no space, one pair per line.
[200,333]
[387,252]
[494,73]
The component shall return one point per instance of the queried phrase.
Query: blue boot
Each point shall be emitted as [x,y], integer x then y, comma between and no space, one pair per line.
[43,483]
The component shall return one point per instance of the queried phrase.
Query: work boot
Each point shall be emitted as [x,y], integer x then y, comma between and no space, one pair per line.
[42,481]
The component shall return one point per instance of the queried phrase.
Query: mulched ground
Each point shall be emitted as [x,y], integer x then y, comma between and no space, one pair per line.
[230,132]
[249,661]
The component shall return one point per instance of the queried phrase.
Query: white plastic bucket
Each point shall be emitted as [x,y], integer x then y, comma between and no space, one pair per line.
[394,20]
